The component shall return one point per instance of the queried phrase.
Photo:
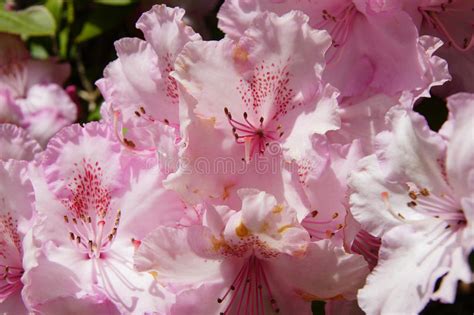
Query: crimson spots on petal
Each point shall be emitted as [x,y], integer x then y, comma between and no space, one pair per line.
[269,85]
[87,191]
[92,224]
[9,234]
[11,252]
[171,86]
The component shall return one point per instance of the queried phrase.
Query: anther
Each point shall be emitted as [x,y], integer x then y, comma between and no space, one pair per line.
[245,115]
[425,192]
[142,110]
[411,204]
[137,114]
[66,219]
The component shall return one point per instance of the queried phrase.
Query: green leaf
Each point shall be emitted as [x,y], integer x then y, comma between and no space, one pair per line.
[56,9]
[38,51]
[34,21]
[94,115]
[96,23]
[115,2]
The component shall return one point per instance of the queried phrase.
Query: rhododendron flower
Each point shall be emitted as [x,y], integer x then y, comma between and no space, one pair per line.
[364,56]
[416,193]
[17,144]
[30,91]
[16,212]
[138,87]
[257,260]
[249,101]
[95,202]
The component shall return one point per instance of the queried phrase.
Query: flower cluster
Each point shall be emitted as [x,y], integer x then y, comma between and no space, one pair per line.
[280,165]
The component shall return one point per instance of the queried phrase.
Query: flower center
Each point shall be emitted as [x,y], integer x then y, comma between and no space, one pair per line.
[255,137]
[92,226]
[249,292]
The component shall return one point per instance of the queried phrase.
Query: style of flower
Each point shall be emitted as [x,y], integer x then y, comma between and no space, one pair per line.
[258,260]
[416,193]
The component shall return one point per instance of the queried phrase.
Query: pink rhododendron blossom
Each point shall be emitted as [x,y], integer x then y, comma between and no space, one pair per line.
[257,260]
[30,91]
[363,55]
[252,102]
[416,193]
[95,203]
[17,144]
[16,212]
[142,95]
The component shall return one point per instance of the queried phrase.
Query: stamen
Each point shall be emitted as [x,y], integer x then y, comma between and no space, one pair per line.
[254,139]
[431,15]
[247,291]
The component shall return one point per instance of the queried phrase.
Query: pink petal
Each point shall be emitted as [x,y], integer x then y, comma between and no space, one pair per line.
[166,251]
[418,255]
[460,154]
[325,272]
[46,109]
[16,143]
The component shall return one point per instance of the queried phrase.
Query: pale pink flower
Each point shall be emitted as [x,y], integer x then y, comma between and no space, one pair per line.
[257,260]
[417,194]
[141,94]
[16,212]
[251,103]
[17,144]
[364,56]
[31,95]
[95,202]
